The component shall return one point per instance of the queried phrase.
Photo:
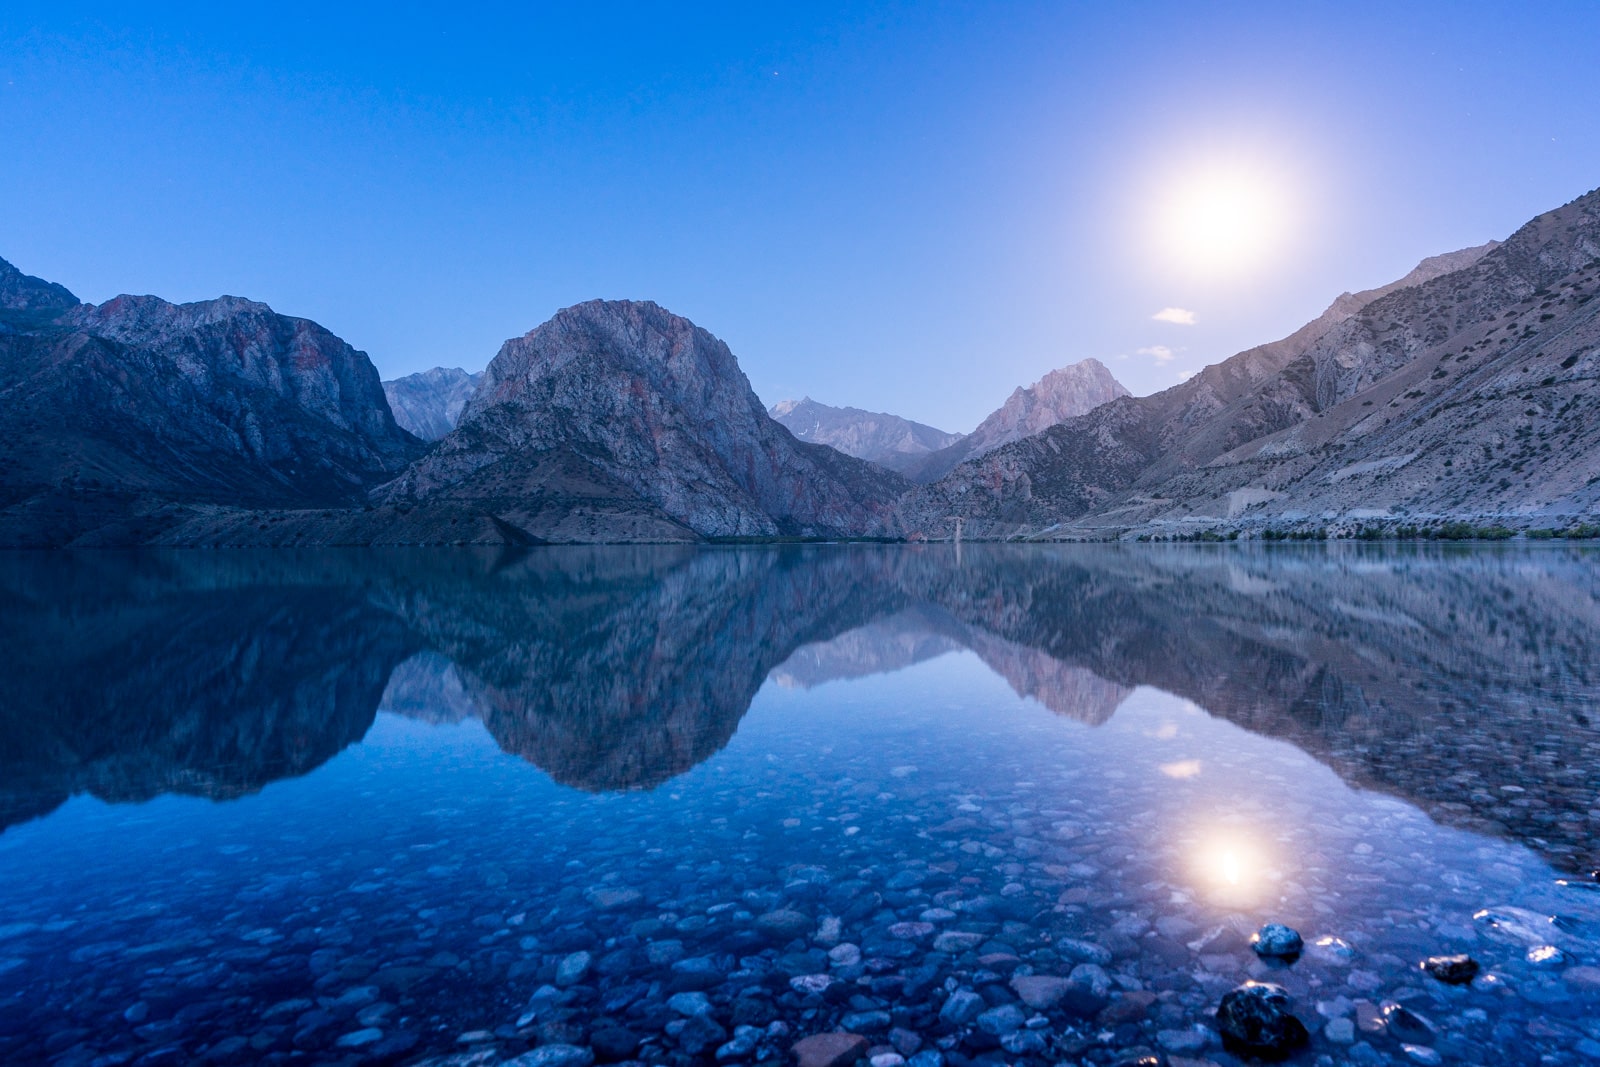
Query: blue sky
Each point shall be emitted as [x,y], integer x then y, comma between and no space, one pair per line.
[908,207]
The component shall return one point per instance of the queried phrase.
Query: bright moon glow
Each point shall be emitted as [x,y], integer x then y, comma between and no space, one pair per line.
[1222,218]
[1231,866]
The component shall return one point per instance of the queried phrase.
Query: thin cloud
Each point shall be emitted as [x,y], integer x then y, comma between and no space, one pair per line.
[1162,353]
[1176,316]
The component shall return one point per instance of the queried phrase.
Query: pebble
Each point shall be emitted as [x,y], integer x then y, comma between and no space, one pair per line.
[1276,941]
[829,1050]
[1001,1020]
[360,1038]
[962,1007]
[1340,1031]
[1422,1054]
[1546,958]
[1452,970]
[785,924]
[1586,978]
[555,1055]
[572,969]
[1255,1019]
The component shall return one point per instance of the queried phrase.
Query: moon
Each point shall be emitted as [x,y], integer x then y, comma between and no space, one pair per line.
[1222,217]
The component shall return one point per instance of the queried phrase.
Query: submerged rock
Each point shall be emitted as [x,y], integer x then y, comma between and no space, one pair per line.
[1255,1020]
[1276,941]
[1453,970]
[829,1050]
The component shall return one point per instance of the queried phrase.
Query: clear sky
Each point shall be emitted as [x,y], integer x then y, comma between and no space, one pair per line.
[912,207]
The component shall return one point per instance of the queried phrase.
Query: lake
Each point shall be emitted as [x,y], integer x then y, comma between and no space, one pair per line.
[971,804]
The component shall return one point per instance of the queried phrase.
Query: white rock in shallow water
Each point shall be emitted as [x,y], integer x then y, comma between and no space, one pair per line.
[1422,1054]
[358,1038]
[810,984]
[845,955]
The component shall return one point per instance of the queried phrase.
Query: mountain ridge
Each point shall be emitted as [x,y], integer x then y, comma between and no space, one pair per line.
[1075,389]
[887,440]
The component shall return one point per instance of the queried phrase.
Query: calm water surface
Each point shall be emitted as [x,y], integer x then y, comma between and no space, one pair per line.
[684,806]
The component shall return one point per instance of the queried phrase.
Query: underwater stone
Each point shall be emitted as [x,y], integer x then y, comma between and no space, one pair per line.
[1255,1019]
[1276,941]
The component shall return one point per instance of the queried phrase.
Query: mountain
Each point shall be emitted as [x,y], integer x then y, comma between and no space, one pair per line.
[617,420]
[113,413]
[429,403]
[887,440]
[1075,389]
[1139,460]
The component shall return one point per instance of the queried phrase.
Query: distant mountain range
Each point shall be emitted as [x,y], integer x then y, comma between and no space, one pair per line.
[429,403]
[1464,391]
[887,440]
[925,454]
[1073,390]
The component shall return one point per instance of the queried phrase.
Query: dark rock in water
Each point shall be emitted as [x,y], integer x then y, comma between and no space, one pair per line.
[962,1007]
[1454,970]
[699,1033]
[1139,1056]
[829,1050]
[1276,941]
[1406,1025]
[613,1043]
[1001,1020]
[1255,1020]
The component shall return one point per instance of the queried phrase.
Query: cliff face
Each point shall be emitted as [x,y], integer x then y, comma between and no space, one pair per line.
[887,440]
[429,403]
[117,410]
[612,400]
[1065,393]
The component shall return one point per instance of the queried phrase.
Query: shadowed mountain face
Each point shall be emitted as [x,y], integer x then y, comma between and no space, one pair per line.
[1441,677]
[118,417]
[128,678]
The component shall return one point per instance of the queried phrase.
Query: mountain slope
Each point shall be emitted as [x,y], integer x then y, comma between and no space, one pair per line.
[429,403]
[107,410]
[887,440]
[1064,393]
[628,400]
[1121,455]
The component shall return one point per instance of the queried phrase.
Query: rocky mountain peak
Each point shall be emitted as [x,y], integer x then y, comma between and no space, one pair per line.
[623,404]
[24,292]
[1062,394]
[430,403]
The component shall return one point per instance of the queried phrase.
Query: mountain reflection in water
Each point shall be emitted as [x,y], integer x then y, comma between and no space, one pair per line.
[1460,680]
